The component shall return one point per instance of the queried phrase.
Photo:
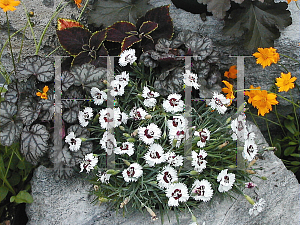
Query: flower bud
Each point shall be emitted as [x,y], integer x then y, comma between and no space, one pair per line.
[134,64]
[134,133]
[122,128]
[264,178]
[194,219]
[174,142]
[232,166]
[249,199]
[126,162]
[104,81]
[194,173]
[250,171]
[95,120]
[96,187]
[228,120]
[112,172]
[148,117]
[101,199]
[83,139]
[140,96]
[126,135]
[131,140]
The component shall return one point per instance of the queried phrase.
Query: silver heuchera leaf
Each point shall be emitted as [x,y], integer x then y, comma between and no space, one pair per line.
[72,108]
[11,133]
[34,142]
[10,127]
[86,146]
[61,156]
[67,80]
[200,46]
[37,66]
[88,76]
[12,94]
[29,111]
[170,81]
[7,111]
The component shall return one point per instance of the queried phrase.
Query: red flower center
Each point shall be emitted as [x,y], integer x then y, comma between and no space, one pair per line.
[176,194]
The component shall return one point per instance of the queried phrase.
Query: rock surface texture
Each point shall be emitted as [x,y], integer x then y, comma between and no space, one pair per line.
[68,202]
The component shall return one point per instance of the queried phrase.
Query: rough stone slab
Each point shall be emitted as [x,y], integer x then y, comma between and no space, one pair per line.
[67,201]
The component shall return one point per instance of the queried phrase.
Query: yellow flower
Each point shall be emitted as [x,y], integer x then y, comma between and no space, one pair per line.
[285,82]
[228,89]
[77,2]
[263,101]
[252,93]
[8,5]
[43,94]
[266,56]
[231,73]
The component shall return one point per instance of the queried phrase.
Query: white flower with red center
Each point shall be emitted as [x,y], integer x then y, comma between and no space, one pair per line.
[202,190]
[137,113]
[226,180]
[249,133]
[74,143]
[119,117]
[204,135]
[177,193]
[257,207]
[149,97]
[250,150]
[178,135]
[149,134]
[123,78]
[84,116]
[238,127]
[89,162]
[117,88]
[98,96]
[178,122]
[219,102]
[108,142]
[127,56]
[250,185]
[133,172]
[103,177]
[198,160]
[173,159]
[155,155]
[190,79]
[111,118]
[173,104]
[167,176]
[125,148]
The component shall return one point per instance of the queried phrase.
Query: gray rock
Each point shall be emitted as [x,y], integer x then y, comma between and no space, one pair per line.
[68,202]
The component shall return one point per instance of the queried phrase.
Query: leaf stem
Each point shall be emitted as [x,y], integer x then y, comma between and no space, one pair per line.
[85,5]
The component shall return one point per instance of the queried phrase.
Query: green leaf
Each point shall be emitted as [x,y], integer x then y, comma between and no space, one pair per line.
[290,125]
[217,7]
[278,151]
[3,193]
[295,155]
[106,12]
[289,150]
[295,163]
[22,197]
[14,179]
[259,22]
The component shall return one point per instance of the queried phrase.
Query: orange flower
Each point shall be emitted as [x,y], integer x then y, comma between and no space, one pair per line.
[43,94]
[231,73]
[8,5]
[263,101]
[266,56]
[289,1]
[77,2]
[285,82]
[228,90]
[252,93]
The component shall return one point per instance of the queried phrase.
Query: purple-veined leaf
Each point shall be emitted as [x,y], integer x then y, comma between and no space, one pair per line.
[119,30]
[73,39]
